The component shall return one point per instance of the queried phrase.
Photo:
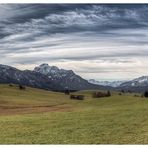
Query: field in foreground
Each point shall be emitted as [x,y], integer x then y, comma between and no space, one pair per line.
[36,116]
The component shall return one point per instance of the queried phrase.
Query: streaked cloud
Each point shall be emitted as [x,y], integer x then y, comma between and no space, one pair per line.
[96,41]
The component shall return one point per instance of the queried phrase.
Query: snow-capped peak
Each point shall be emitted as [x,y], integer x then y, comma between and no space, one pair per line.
[141,81]
[52,70]
[45,69]
[66,78]
[106,83]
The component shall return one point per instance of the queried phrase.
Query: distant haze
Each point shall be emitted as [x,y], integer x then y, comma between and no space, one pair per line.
[103,42]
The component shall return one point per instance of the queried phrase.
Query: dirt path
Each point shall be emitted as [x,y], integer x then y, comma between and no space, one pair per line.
[14,110]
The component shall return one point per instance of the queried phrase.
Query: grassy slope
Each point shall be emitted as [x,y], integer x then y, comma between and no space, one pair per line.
[114,120]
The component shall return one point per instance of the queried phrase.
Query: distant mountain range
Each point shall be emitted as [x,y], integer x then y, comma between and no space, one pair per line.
[136,85]
[46,77]
[52,78]
[10,74]
[106,83]
[66,78]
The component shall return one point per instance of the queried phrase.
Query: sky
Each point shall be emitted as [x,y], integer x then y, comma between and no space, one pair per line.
[96,41]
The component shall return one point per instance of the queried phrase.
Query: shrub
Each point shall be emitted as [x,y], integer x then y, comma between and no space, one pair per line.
[101,94]
[108,93]
[122,91]
[67,92]
[146,94]
[10,85]
[129,91]
[77,97]
[21,87]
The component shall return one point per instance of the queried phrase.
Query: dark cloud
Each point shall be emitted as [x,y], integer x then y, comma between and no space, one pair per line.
[75,33]
[51,18]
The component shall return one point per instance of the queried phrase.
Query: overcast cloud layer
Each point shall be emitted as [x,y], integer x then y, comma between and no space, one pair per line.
[96,41]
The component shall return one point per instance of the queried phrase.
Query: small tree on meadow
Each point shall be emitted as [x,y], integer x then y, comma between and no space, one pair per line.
[67,92]
[21,87]
[122,91]
[146,94]
[108,93]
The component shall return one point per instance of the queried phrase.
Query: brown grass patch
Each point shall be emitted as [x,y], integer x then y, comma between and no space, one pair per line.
[14,110]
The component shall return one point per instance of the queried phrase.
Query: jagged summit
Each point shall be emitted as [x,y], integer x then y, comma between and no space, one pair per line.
[67,78]
[45,77]
[10,74]
[46,69]
[54,78]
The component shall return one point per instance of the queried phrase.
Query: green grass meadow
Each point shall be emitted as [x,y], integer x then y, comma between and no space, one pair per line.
[36,116]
